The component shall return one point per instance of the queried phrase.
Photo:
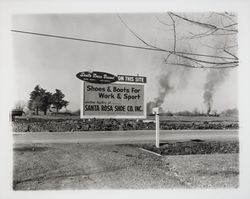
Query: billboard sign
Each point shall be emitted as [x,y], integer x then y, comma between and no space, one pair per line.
[113,100]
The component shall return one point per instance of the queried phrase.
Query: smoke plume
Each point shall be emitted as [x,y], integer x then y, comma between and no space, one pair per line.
[170,79]
[214,79]
[164,86]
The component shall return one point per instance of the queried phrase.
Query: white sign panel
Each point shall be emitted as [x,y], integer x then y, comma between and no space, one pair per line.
[113,101]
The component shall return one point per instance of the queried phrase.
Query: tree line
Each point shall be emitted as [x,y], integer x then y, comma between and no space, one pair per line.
[42,100]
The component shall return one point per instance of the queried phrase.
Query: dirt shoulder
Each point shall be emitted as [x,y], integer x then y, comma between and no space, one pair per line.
[97,166]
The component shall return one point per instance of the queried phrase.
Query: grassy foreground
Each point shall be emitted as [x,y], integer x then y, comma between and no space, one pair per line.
[97,166]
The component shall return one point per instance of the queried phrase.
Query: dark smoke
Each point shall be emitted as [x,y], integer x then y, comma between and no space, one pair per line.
[170,79]
[213,80]
[165,87]
[215,77]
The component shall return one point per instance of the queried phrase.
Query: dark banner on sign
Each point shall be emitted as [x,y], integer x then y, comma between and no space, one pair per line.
[96,77]
[134,79]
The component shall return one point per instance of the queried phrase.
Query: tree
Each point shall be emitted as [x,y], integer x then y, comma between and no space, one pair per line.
[230,112]
[57,100]
[199,40]
[206,41]
[35,101]
[40,99]
[46,101]
[20,105]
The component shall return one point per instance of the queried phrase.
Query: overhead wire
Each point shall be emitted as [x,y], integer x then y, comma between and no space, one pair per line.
[116,44]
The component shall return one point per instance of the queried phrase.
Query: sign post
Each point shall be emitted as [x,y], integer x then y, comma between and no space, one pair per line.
[157,127]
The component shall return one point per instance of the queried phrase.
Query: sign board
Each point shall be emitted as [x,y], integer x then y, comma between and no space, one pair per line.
[155,110]
[134,79]
[96,77]
[113,101]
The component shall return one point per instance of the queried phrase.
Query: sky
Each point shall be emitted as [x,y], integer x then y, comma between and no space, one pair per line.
[53,63]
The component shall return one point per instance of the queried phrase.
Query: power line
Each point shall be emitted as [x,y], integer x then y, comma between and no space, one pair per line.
[87,40]
[118,44]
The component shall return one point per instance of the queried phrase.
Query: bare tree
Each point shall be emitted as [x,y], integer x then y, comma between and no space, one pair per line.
[20,105]
[199,40]
[215,34]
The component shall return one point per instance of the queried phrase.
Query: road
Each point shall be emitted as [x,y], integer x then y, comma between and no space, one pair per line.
[123,137]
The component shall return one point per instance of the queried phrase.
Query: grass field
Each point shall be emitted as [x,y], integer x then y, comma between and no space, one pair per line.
[162,118]
[196,118]
[74,123]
